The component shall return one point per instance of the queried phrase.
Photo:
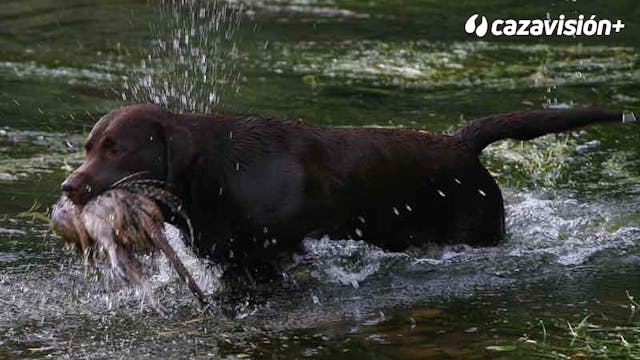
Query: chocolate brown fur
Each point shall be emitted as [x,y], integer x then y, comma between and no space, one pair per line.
[255,187]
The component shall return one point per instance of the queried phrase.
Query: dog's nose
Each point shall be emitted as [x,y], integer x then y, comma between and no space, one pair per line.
[70,185]
[75,189]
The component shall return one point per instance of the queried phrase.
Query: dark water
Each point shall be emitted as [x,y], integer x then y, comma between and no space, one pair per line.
[572,200]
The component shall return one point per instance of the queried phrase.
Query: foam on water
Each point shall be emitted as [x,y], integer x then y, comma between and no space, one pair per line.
[551,231]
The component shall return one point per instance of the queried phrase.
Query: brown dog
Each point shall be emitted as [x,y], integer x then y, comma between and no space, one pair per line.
[255,187]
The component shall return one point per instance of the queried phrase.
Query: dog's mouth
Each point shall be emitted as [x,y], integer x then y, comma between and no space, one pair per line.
[80,190]
[83,196]
[141,184]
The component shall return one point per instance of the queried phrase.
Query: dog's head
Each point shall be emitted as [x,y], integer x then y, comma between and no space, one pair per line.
[138,139]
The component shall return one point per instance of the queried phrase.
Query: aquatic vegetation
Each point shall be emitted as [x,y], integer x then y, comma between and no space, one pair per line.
[437,65]
[589,338]
[313,10]
[25,154]
[548,161]
[31,70]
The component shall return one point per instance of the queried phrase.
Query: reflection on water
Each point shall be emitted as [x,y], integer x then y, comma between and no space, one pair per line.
[571,200]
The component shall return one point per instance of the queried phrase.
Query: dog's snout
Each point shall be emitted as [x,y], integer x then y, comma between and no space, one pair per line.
[70,185]
[75,188]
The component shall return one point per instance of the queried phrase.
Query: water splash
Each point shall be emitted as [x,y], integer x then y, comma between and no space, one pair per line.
[568,229]
[544,229]
[346,262]
[193,59]
[206,274]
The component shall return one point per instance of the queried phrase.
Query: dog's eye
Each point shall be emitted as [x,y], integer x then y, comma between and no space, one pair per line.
[109,146]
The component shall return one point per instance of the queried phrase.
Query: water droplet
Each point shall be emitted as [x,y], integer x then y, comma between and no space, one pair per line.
[395,211]
[482,192]
[188,67]
[441,193]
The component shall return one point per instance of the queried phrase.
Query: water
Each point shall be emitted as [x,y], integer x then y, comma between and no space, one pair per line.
[571,200]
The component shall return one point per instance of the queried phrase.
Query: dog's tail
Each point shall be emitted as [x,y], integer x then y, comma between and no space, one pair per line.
[525,125]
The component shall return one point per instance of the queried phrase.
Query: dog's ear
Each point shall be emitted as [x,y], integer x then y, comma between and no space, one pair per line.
[179,152]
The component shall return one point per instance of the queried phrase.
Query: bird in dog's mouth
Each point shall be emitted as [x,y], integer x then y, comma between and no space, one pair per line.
[121,223]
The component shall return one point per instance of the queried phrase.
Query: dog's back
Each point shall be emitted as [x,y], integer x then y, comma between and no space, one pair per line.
[392,187]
